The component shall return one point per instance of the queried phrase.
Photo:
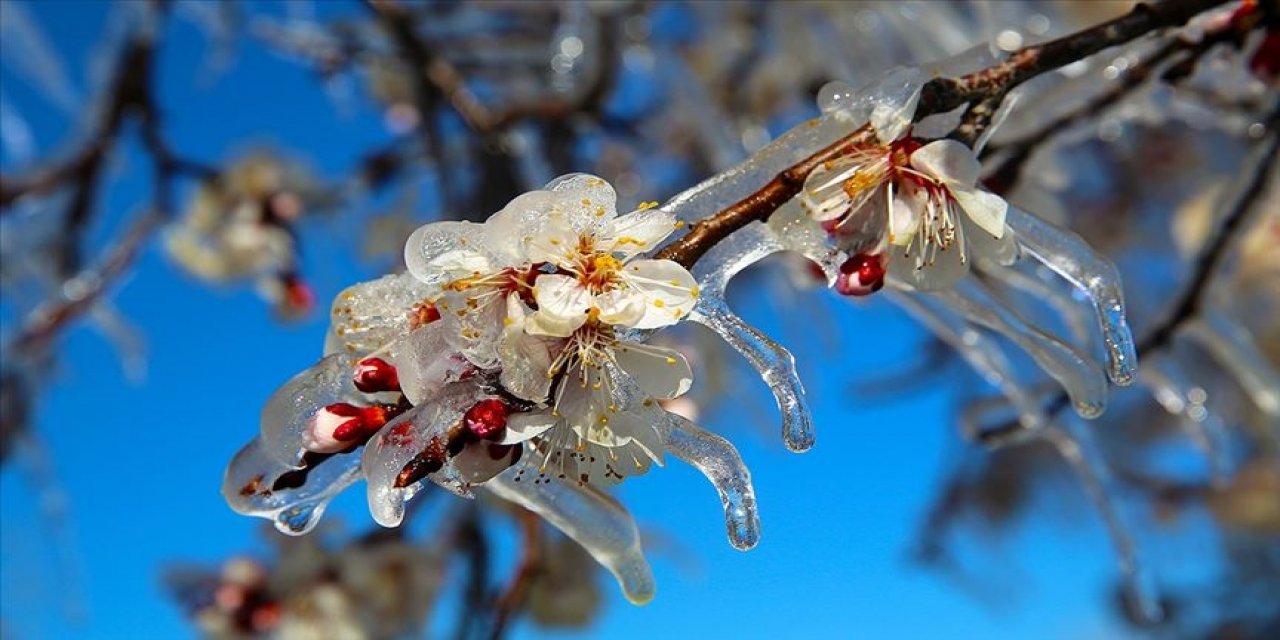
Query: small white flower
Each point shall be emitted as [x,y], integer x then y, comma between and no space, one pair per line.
[918,203]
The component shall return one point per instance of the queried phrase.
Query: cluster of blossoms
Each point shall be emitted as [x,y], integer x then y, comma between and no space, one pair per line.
[370,588]
[239,226]
[512,356]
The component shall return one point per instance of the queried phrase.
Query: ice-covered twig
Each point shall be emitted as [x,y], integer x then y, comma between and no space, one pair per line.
[937,96]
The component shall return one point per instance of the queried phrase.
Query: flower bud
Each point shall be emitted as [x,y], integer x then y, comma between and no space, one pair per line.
[374,375]
[340,425]
[486,419]
[861,275]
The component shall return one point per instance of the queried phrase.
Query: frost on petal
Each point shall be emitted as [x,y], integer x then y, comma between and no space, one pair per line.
[294,499]
[719,461]
[439,252]
[419,436]
[593,519]
[368,316]
[1072,258]
[949,161]
[904,216]
[987,210]
[425,362]
[563,304]
[588,203]
[774,363]
[1079,377]
[638,232]
[473,324]
[668,289]
[986,250]
[290,410]
[660,373]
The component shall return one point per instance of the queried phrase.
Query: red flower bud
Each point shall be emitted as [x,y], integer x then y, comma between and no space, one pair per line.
[861,275]
[374,375]
[486,419]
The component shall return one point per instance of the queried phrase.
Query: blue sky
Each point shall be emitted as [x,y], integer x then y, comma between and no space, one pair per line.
[140,461]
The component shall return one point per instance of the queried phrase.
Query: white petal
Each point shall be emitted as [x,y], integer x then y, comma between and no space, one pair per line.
[480,461]
[587,202]
[660,373]
[946,269]
[623,306]
[904,216]
[949,161]
[525,426]
[562,306]
[525,358]
[638,231]
[985,209]
[669,291]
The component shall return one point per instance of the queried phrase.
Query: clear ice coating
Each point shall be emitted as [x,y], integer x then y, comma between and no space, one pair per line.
[981,352]
[296,505]
[719,461]
[1235,350]
[289,410]
[1072,258]
[1079,377]
[774,363]
[424,427]
[1167,379]
[593,519]
[368,316]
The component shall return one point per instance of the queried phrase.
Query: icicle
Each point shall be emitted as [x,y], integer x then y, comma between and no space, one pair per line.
[982,353]
[719,461]
[1082,381]
[1233,347]
[771,360]
[594,520]
[1179,396]
[1068,308]
[1079,451]
[1073,259]
[250,487]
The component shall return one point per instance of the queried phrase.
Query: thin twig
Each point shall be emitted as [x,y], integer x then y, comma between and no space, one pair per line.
[937,96]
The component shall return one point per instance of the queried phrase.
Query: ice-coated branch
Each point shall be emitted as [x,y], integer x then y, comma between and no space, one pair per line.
[1185,52]
[1215,251]
[937,96]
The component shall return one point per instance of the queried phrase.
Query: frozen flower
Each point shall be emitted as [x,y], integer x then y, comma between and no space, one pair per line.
[911,207]
[512,356]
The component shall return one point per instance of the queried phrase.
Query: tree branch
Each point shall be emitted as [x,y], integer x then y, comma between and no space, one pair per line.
[937,96]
